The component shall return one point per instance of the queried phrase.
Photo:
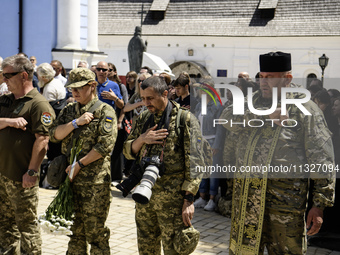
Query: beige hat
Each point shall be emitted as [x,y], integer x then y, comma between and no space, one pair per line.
[79,77]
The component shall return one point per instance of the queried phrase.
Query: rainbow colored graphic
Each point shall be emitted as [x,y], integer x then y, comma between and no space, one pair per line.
[210,94]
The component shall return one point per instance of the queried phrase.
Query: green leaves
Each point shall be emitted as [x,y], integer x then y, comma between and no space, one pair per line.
[58,217]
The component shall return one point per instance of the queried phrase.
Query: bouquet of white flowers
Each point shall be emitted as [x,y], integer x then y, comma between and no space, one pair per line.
[58,217]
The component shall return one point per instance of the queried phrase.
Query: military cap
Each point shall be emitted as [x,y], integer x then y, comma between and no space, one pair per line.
[56,174]
[275,62]
[186,240]
[79,77]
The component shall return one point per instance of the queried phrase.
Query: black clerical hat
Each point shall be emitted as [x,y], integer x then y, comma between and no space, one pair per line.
[275,62]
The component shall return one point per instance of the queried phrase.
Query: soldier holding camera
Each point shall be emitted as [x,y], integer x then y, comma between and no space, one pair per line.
[165,196]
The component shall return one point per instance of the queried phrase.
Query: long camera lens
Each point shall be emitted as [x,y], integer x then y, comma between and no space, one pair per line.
[142,193]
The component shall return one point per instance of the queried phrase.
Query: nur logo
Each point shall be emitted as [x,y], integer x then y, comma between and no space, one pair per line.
[204,97]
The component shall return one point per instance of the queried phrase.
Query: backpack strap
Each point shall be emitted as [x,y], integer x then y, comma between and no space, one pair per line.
[95,106]
[91,110]
[180,120]
[78,130]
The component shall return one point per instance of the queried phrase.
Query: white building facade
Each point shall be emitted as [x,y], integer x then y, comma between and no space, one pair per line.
[227,37]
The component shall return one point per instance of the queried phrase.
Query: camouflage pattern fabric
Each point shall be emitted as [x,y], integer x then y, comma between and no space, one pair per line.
[19,231]
[285,193]
[159,219]
[91,187]
[92,205]
[79,77]
[100,134]
[224,207]
[284,233]
[177,155]
[186,240]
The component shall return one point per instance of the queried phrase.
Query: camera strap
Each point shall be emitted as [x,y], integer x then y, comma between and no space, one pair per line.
[164,122]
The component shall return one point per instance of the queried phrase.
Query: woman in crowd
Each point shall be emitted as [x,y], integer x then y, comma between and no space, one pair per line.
[112,74]
[52,89]
[334,93]
[135,102]
[95,124]
[131,82]
[3,85]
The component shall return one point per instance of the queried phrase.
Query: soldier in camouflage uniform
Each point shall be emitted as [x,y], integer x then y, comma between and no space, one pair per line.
[91,179]
[25,117]
[171,205]
[268,209]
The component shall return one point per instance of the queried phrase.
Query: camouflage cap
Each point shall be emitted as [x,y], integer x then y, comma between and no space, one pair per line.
[186,240]
[79,77]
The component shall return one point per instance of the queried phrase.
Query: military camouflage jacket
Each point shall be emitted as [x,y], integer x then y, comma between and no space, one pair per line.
[100,134]
[295,153]
[176,151]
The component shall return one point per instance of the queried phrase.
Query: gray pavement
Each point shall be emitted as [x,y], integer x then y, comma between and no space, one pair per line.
[214,229]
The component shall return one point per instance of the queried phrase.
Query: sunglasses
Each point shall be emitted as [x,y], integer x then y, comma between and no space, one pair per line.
[10,75]
[110,70]
[139,80]
[77,89]
[101,69]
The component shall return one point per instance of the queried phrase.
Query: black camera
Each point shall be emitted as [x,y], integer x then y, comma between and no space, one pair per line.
[153,160]
[146,172]
[135,176]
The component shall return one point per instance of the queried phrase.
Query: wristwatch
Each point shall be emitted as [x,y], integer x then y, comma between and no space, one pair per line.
[31,172]
[189,197]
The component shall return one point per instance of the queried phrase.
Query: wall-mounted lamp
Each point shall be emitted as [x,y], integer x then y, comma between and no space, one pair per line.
[190,52]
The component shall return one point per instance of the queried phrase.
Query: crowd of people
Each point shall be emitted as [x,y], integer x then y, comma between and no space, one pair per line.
[122,126]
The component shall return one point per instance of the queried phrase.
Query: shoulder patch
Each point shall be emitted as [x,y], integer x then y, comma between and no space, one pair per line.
[107,127]
[108,119]
[46,119]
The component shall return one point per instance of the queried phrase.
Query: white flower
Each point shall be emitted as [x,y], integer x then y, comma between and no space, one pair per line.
[42,216]
[69,223]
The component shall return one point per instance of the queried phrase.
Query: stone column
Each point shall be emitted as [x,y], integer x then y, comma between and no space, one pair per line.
[92,25]
[68,35]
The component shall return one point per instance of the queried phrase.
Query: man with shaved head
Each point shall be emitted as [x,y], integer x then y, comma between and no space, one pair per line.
[108,91]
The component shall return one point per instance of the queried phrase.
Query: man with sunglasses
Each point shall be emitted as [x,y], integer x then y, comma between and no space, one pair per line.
[25,116]
[108,91]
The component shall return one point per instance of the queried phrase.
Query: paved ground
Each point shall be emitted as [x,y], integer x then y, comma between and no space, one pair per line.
[214,229]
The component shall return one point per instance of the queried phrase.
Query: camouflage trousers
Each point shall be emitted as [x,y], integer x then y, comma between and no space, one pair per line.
[284,234]
[92,205]
[158,220]
[19,231]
